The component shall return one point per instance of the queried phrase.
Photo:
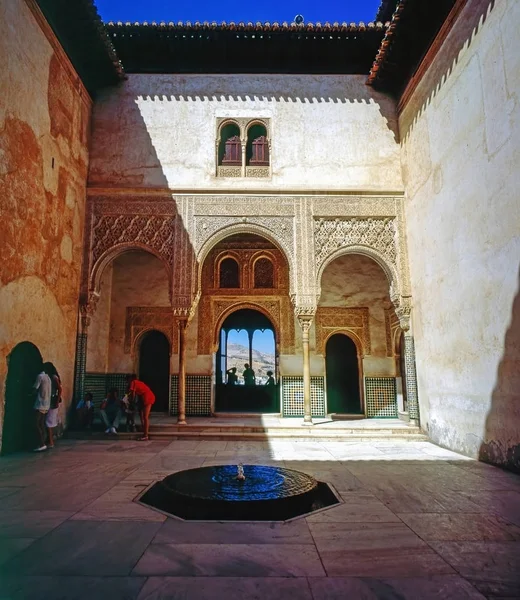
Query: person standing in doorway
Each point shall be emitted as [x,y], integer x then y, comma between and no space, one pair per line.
[248,375]
[144,403]
[43,388]
[51,419]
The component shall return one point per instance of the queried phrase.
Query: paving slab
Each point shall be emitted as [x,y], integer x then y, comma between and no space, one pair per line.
[183,532]
[438,587]
[230,560]
[30,523]
[70,588]
[84,548]
[232,588]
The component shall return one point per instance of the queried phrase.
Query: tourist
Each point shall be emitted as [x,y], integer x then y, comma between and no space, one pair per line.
[85,411]
[144,403]
[111,411]
[248,375]
[232,376]
[51,420]
[129,408]
[270,378]
[43,387]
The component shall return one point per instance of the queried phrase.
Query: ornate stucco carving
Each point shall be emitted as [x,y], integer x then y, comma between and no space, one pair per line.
[333,234]
[140,319]
[330,320]
[224,171]
[258,172]
[126,222]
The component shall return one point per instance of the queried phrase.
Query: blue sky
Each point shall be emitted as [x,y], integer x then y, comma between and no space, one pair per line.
[263,341]
[234,10]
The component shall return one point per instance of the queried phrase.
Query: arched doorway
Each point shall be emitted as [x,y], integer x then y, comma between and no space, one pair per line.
[247,336]
[154,367]
[342,370]
[25,362]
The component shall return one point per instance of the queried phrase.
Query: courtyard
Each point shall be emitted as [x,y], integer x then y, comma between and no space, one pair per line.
[416,521]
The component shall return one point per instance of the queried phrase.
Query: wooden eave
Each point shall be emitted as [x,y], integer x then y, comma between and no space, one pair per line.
[329,48]
[82,34]
[411,31]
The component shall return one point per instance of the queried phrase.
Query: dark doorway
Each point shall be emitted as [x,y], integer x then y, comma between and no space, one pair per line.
[154,368]
[342,376]
[18,433]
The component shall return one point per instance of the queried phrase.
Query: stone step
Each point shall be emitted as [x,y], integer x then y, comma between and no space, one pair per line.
[412,434]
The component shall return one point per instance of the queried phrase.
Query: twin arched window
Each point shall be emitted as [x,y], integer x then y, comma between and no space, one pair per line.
[230,149]
[263,274]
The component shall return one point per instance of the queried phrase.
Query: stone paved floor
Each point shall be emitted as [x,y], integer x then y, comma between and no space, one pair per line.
[417,522]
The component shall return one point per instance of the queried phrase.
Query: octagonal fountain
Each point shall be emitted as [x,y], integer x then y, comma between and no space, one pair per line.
[239,493]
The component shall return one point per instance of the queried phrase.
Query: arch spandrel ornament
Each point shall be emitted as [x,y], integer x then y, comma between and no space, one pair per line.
[278,230]
[350,321]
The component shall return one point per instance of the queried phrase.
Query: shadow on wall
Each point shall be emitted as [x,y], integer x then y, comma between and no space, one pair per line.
[120,223]
[468,25]
[502,433]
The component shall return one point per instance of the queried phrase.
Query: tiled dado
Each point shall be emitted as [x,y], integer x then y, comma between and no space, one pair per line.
[198,395]
[380,397]
[292,396]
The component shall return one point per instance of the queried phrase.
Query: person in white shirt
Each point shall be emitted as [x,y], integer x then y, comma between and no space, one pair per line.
[43,388]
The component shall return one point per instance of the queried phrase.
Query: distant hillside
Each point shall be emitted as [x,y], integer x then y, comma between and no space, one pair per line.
[238,355]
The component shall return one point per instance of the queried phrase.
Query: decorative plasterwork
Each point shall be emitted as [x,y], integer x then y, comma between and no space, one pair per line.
[374,237]
[392,331]
[122,223]
[140,319]
[214,310]
[354,321]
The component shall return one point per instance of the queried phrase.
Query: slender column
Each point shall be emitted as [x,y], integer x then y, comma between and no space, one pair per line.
[412,399]
[250,336]
[305,324]
[243,158]
[181,420]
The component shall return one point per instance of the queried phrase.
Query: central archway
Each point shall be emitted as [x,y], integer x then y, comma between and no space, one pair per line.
[246,364]
[154,367]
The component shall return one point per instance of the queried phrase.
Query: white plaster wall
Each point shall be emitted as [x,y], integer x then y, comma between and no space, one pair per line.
[138,279]
[328,132]
[461,157]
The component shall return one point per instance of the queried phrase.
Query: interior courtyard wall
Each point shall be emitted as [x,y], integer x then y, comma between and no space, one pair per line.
[44,125]
[139,279]
[460,156]
[327,132]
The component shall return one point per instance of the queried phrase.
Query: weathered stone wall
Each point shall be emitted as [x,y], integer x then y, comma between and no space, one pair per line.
[460,156]
[44,128]
[327,131]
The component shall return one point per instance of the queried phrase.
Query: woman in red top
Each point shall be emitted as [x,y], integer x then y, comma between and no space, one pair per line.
[145,401]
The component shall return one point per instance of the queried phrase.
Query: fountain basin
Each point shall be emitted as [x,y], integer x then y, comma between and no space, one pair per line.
[214,493]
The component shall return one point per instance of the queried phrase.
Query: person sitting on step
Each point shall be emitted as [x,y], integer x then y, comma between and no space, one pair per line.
[111,411]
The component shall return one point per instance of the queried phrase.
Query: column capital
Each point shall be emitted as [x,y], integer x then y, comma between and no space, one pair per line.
[403,310]
[87,310]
